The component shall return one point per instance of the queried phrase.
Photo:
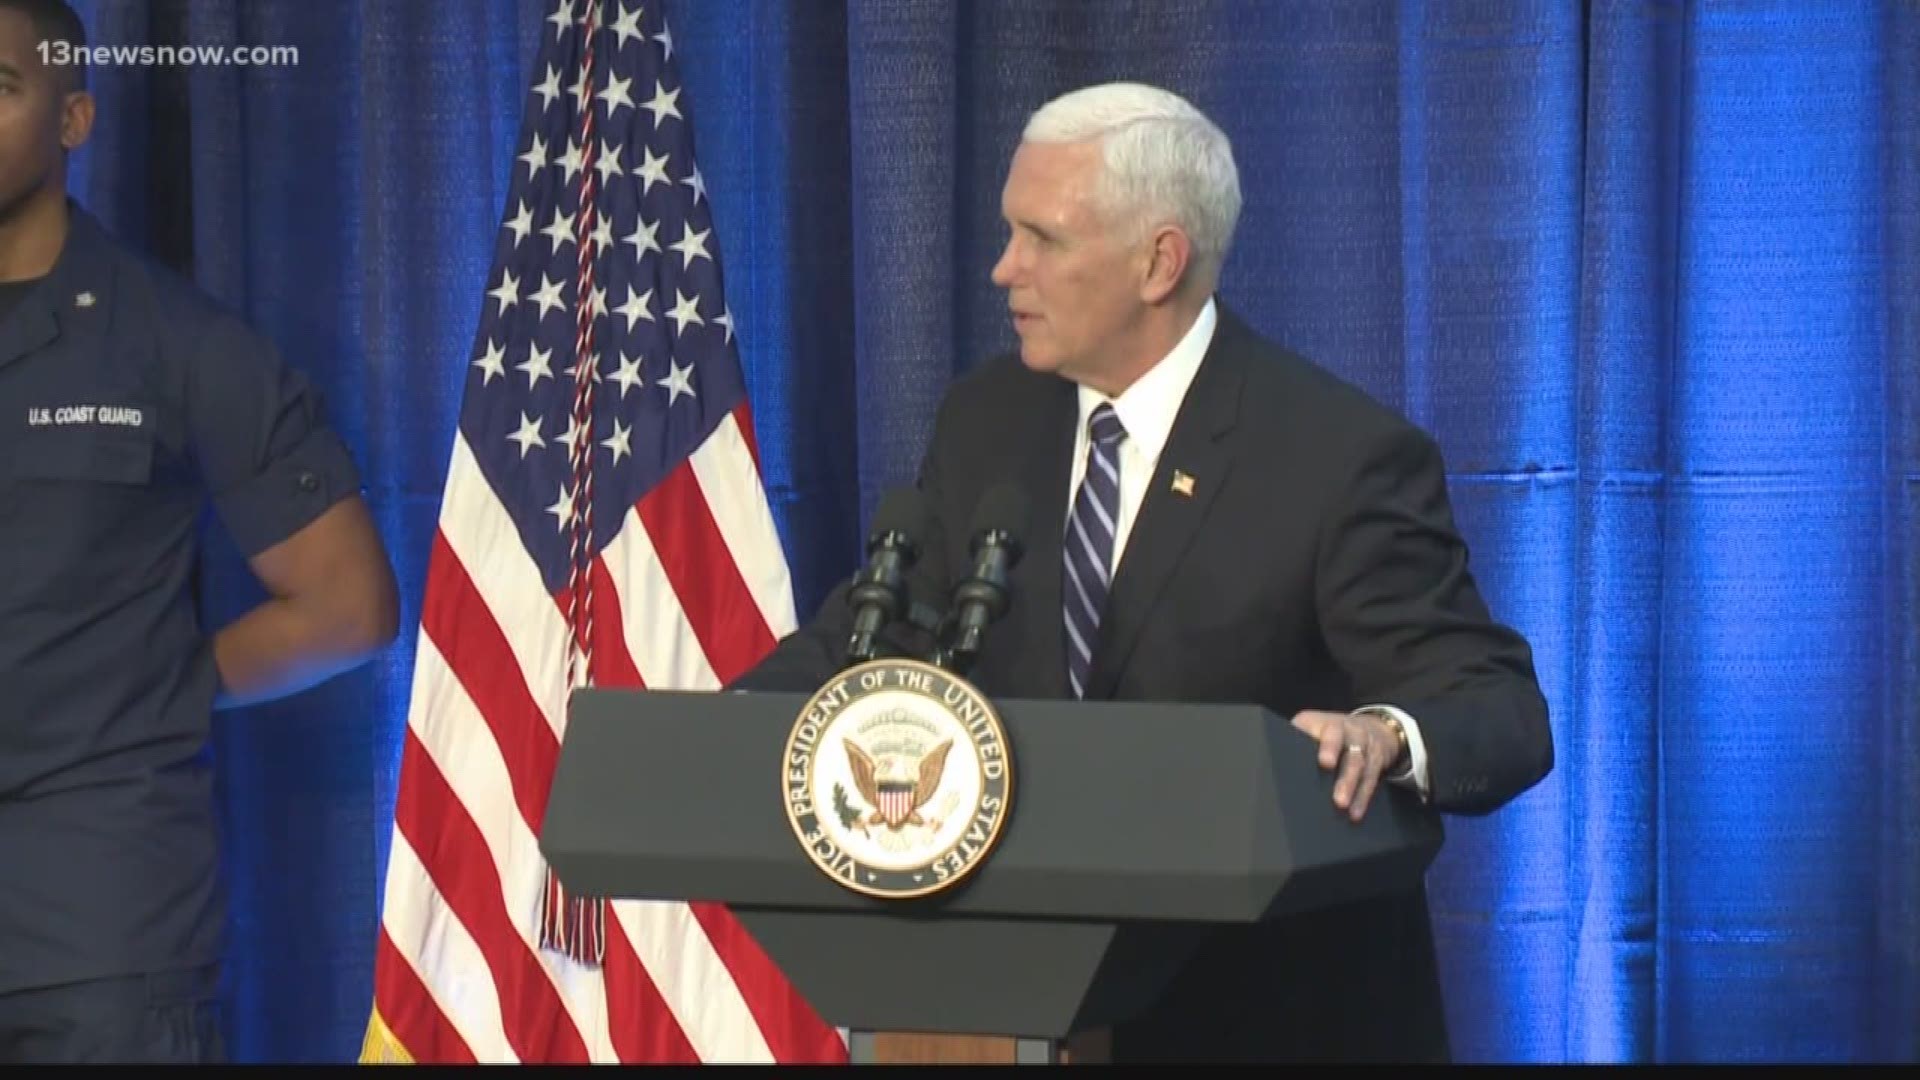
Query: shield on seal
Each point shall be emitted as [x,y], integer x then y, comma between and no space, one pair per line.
[896,802]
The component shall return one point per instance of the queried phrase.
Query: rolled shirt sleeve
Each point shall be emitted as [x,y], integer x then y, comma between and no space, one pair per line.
[269,459]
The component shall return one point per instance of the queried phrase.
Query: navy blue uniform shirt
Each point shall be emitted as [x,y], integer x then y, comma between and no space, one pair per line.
[129,403]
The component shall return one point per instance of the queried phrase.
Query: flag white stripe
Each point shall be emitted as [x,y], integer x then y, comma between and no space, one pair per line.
[730,481]
[660,638]
[479,531]
[674,955]
[477,773]
[674,948]
[508,582]
[697,986]
[430,940]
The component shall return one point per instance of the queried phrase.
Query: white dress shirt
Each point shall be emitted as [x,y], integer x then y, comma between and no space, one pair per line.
[1147,410]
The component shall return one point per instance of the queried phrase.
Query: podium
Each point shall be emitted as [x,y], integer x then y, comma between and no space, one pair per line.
[1135,829]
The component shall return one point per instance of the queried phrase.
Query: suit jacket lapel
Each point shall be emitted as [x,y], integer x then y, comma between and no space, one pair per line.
[1043,663]
[1169,517]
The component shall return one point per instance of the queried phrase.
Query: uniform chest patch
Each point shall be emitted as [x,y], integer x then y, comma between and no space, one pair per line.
[84,415]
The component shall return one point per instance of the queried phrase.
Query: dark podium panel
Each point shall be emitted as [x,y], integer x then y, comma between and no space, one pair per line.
[1134,829]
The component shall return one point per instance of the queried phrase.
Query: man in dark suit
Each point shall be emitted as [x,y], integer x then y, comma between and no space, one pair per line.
[1217,519]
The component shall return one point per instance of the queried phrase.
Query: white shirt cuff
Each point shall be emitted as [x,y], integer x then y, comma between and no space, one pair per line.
[1416,750]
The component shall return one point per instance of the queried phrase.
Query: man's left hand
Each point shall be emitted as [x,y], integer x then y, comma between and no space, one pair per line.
[1361,747]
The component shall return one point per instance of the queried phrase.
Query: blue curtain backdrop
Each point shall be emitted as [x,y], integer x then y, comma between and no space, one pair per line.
[1649,270]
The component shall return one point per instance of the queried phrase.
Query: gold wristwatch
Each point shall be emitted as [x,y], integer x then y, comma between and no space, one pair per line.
[1402,763]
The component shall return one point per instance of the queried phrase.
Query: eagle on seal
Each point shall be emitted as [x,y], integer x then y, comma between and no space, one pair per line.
[896,798]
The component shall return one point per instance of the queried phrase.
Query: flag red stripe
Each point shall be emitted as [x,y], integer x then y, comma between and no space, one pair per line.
[457,619]
[686,591]
[692,550]
[793,1030]
[450,846]
[612,664]
[410,1012]
[743,419]
[721,609]
[639,1022]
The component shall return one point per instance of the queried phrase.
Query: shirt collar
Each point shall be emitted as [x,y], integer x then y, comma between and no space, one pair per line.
[1147,408]
[83,265]
[80,278]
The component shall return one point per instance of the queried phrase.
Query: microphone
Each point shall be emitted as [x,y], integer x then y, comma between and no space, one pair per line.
[999,522]
[879,592]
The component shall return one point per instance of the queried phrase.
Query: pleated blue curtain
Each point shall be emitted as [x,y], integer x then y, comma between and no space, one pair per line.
[1648,270]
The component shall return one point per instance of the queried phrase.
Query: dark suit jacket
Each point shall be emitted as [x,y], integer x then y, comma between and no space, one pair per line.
[1315,565]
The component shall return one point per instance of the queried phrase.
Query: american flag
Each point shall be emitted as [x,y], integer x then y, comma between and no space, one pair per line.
[602,520]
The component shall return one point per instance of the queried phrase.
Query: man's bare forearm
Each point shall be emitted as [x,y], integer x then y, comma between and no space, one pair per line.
[334,603]
[283,647]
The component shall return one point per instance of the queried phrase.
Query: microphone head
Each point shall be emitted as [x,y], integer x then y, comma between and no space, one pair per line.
[1001,512]
[903,514]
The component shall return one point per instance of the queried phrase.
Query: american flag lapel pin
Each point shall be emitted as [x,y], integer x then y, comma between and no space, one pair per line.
[1182,484]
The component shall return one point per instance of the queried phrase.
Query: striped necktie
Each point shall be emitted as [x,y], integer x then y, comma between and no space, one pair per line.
[1089,543]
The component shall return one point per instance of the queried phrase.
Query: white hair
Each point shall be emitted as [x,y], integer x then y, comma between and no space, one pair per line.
[1165,162]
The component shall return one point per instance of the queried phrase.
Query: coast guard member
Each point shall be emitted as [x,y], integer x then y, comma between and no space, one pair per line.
[128,404]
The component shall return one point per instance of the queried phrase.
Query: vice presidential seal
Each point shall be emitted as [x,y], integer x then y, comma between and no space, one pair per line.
[897,778]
